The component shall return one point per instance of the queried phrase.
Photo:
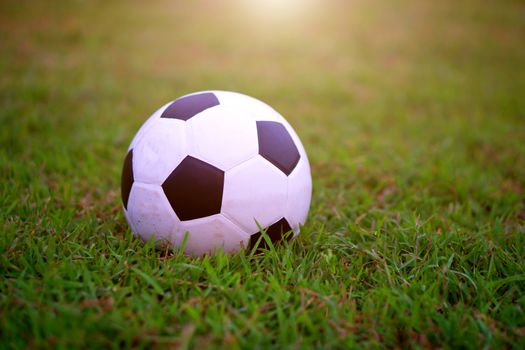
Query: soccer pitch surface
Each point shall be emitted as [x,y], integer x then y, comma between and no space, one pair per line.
[412,114]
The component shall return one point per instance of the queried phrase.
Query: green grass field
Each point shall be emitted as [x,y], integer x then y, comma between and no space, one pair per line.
[413,116]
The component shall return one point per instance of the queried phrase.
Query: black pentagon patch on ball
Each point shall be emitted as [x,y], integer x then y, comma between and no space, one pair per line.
[277,232]
[186,107]
[277,146]
[126,180]
[194,189]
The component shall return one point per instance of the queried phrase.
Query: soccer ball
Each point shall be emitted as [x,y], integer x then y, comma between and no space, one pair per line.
[211,169]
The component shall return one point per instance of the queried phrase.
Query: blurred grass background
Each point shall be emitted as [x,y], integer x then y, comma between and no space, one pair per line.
[412,114]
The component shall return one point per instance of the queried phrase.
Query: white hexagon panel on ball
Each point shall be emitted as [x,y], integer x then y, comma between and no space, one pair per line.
[150,213]
[222,136]
[254,194]
[159,151]
[250,107]
[207,234]
[299,195]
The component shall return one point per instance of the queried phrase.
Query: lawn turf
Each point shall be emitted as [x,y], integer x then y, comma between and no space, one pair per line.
[412,114]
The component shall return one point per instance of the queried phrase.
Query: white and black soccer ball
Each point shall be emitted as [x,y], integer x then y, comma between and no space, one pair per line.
[216,166]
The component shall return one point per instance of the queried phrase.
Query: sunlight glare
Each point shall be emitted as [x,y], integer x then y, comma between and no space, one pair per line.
[277,10]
